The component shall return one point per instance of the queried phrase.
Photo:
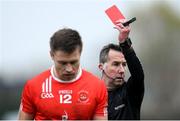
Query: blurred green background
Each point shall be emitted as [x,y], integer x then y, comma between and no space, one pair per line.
[155,36]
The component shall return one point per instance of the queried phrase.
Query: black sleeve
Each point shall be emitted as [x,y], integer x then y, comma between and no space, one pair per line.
[135,84]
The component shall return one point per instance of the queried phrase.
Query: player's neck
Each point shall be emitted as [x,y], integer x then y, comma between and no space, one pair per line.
[56,77]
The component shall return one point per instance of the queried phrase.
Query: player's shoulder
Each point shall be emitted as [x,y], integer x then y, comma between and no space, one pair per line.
[39,77]
[90,76]
[93,81]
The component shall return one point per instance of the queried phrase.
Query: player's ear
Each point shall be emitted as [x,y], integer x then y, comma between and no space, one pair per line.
[100,66]
[51,54]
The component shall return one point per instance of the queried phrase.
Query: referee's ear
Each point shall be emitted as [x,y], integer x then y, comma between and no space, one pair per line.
[100,66]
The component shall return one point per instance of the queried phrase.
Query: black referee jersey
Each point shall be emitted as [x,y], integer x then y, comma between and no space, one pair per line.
[125,102]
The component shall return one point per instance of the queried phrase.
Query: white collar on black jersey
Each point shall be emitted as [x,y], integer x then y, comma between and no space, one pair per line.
[70,81]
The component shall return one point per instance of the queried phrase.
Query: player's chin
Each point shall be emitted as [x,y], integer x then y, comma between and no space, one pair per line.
[68,77]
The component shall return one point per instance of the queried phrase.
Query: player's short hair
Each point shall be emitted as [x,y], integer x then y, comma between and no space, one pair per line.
[103,57]
[66,40]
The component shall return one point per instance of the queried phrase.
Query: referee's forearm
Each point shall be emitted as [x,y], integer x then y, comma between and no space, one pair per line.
[134,65]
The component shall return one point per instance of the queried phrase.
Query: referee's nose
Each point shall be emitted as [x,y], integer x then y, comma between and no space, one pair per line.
[121,69]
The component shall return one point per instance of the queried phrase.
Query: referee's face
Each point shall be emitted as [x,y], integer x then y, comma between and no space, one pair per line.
[66,64]
[115,68]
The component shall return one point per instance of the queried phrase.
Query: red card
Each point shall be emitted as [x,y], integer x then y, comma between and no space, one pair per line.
[114,14]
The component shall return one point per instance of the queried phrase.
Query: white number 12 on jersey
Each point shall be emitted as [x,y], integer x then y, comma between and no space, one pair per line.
[67,98]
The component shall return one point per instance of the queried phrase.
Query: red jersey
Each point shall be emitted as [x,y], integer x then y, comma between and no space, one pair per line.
[49,98]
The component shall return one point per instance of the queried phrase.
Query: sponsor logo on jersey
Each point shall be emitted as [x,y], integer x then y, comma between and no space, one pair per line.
[119,106]
[83,96]
[47,88]
[65,116]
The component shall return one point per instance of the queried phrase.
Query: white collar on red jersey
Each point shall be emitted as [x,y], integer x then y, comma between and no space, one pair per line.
[62,81]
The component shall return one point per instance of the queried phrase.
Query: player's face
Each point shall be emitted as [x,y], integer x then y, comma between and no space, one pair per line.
[66,64]
[115,68]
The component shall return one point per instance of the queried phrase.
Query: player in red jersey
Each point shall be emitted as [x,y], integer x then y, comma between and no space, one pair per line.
[64,92]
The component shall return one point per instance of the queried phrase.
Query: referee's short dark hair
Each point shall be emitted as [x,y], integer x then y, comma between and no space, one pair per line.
[103,57]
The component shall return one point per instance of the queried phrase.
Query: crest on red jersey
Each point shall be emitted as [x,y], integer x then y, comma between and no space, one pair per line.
[83,96]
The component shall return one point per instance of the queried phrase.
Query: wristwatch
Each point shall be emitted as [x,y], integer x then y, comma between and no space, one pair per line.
[126,44]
